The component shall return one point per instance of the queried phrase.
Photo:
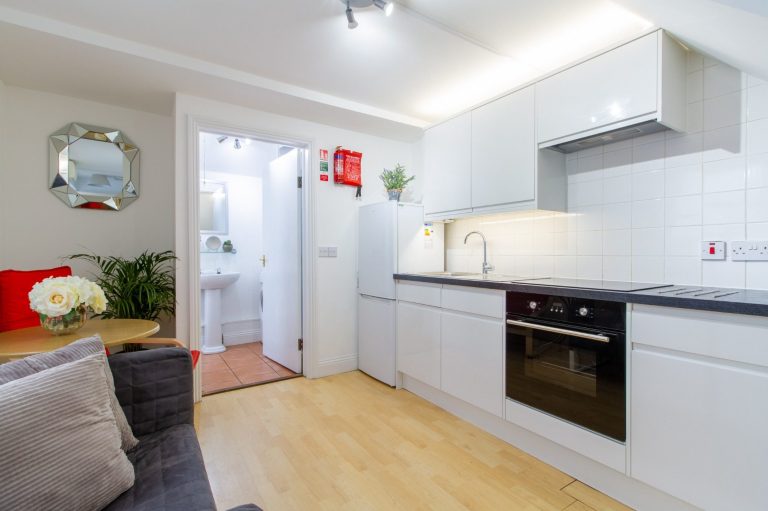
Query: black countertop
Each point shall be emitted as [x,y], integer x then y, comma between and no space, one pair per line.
[734,301]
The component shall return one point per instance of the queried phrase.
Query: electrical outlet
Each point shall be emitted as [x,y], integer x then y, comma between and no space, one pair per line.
[753,250]
[712,250]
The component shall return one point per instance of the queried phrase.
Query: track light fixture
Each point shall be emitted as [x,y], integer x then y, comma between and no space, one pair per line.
[351,21]
[385,5]
[238,145]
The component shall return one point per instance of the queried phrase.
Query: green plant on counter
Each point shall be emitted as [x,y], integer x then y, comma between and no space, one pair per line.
[396,180]
[140,288]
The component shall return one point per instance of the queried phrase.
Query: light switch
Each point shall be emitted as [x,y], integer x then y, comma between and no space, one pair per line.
[333,251]
[752,250]
[712,250]
[323,251]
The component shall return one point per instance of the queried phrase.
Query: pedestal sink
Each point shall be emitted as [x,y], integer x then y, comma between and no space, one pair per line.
[211,284]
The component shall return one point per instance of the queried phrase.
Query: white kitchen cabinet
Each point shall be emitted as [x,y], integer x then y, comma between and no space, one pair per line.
[418,342]
[643,80]
[447,162]
[504,150]
[472,368]
[376,341]
[698,406]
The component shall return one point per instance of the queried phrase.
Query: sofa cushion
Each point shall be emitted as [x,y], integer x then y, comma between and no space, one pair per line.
[75,351]
[15,286]
[60,447]
[170,474]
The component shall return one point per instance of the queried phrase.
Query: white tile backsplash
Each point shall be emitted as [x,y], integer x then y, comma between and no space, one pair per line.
[757,205]
[639,209]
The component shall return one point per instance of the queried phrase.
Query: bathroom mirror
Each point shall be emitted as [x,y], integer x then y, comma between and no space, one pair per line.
[213,207]
[93,167]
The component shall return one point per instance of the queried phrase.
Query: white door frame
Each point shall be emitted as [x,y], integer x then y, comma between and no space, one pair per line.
[196,125]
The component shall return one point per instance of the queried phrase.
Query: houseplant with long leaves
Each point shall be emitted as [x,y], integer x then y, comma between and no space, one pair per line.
[143,287]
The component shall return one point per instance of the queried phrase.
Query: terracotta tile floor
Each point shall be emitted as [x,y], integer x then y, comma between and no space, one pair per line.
[240,366]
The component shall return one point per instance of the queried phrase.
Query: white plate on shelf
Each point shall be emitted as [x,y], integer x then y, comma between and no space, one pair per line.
[213,243]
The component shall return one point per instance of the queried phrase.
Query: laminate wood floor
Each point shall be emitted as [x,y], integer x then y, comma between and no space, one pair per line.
[348,442]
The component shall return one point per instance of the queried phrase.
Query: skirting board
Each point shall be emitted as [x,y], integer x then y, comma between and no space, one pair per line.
[614,484]
[336,365]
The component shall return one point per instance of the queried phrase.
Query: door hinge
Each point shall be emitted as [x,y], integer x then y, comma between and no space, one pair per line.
[301,344]
[298,181]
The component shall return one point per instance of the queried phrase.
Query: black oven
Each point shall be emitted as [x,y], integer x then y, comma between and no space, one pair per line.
[567,357]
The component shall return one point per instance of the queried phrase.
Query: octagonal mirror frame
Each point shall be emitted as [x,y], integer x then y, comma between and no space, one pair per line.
[62,171]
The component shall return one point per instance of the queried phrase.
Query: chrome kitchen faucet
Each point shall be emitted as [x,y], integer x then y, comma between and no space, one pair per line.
[486,267]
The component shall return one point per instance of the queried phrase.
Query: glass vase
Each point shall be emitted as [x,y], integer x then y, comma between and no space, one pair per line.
[66,324]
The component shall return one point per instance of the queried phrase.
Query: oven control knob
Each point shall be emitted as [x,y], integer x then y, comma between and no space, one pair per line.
[583,312]
[532,305]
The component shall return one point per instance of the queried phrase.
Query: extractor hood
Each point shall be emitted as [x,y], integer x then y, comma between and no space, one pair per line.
[636,130]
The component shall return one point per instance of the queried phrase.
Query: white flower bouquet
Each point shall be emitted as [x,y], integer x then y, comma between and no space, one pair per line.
[63,302]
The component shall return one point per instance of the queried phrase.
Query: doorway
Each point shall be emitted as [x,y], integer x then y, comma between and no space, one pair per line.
[250,254]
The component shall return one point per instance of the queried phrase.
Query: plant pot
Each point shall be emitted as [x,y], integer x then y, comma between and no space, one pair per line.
[66,324]
[394,194]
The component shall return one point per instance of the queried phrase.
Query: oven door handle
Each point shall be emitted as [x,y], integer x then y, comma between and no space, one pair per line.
[555,330]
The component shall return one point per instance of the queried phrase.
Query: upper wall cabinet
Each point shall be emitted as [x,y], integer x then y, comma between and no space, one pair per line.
[504,150]
[486,161]
[447,161]
[642,81]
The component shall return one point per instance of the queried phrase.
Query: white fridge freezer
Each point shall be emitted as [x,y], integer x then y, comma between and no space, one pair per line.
[392,238]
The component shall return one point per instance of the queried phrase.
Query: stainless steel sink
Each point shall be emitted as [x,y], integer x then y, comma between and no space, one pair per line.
[494,277]
[450,274]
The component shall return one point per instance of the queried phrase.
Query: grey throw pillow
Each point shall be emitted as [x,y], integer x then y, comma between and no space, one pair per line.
[75,351]
[60,447]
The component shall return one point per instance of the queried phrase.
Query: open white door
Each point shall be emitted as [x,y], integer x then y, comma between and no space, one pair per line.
[281,272]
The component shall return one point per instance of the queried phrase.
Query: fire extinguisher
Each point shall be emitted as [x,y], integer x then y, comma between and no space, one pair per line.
[347,167]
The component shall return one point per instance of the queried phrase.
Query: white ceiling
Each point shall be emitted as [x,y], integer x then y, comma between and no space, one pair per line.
[390,76]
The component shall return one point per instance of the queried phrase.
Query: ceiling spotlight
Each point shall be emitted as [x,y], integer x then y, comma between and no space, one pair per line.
[351,21]
[385,5]
[238,145]
[222,139]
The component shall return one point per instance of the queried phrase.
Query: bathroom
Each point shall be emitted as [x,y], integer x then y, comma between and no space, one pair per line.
[234,259]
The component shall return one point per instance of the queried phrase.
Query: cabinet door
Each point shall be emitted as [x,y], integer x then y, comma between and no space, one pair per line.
[698,429]
[503,150]
[447,161]
[418,342]
[610,88]
[376,338]
[472,366]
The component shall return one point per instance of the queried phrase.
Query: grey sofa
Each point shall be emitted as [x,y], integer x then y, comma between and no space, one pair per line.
[154,388]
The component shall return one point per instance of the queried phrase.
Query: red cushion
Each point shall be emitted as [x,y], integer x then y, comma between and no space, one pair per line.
[15,286]
[195,357]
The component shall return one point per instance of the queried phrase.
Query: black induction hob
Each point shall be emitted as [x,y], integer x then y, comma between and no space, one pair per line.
[603,285]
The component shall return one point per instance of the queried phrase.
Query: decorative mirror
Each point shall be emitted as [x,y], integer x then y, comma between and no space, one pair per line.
[93,167]
[213,207]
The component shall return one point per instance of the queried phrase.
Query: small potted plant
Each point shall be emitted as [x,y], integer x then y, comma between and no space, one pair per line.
[395,181]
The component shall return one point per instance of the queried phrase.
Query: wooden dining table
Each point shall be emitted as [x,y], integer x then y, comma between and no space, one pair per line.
[28,341]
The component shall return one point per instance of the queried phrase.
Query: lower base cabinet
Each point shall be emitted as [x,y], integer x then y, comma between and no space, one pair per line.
[700,429]
[418,342]
[472,360]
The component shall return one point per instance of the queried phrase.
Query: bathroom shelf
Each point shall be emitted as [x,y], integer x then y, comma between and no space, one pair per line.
[233,251]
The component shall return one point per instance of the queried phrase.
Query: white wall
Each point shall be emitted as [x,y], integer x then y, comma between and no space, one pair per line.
[36,228]
[639,209]
[333,218]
